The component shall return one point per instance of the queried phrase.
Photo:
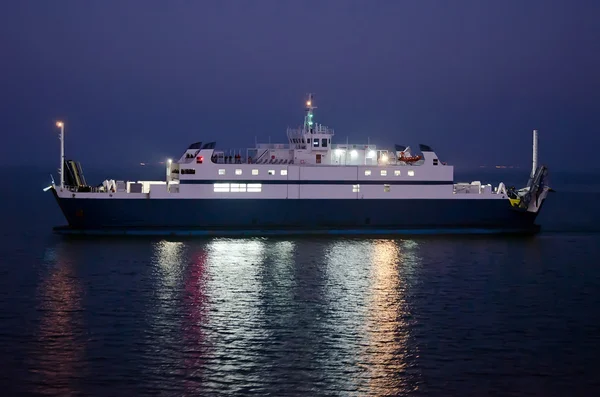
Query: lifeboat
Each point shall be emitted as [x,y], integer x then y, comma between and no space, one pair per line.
[408,159]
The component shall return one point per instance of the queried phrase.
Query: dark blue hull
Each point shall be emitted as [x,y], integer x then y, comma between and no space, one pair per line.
[278,216]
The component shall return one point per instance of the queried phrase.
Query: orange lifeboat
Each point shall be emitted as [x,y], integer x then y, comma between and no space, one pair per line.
[409,159]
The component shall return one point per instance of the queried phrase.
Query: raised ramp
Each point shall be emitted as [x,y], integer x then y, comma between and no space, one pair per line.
[74,174]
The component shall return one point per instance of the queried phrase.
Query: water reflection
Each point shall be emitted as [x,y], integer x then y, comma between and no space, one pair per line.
[196,347]
[388,355]
[169,263]
[60,349]
[235,325]
[163,334]
[277,281]
[168,256]
[347,271]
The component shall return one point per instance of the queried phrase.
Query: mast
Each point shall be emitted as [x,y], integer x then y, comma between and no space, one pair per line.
[308,118]
[535,153]
[61,125]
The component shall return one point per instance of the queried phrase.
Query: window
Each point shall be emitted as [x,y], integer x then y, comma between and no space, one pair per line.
[238,172]
[238,187]
[221,172]
[315,142]
[411,173]
[386,188]
[435,161]
[271,172]
[367,172]
[355,188]
[396,172]
[283,172]
[308,140]
[254,187]
[383,173]
[254,172]
[324,142]
[221,187]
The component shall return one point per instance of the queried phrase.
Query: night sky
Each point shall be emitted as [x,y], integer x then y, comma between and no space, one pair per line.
[141,80]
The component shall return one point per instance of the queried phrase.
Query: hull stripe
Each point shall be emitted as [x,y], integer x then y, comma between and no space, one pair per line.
[284,232]
[314,182]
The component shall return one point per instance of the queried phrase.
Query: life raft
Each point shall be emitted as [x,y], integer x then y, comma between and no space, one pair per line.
[409,159]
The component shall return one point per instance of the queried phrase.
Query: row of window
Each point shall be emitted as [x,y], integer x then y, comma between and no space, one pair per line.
[254,172]
[284,172]
[237,187]
[356,188]
[315,141]
[396,173]
[257,188]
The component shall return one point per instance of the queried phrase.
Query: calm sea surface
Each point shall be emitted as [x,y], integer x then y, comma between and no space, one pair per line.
[443,316]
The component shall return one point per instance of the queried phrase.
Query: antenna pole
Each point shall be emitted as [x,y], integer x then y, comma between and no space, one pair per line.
[535,153]
[308,119]
[61,125]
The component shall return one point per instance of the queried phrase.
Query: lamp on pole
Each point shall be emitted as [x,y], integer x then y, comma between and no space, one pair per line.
[61,125]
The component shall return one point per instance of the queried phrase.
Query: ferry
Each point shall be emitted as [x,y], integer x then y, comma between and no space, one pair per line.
[309,184]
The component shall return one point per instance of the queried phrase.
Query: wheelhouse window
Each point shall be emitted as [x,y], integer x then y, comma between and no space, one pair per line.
[324,142]
[315,142]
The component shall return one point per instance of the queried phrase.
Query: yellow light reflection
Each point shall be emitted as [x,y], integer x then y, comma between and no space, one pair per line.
[387,355]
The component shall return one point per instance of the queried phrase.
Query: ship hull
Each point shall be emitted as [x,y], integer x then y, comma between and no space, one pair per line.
[285,216]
